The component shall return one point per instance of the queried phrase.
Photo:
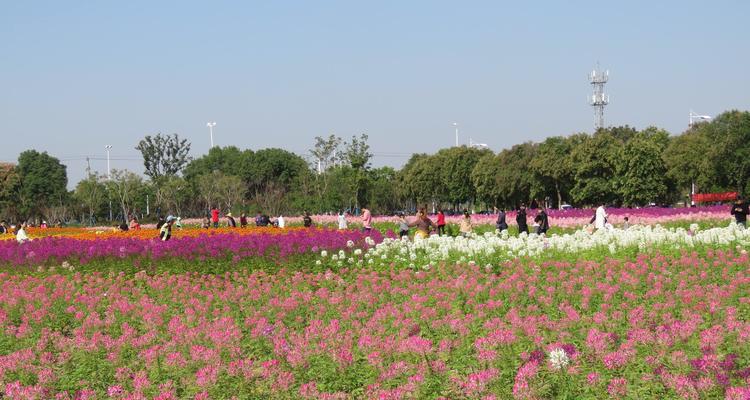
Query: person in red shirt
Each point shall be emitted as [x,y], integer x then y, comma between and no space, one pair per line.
[215,217]
[441,222]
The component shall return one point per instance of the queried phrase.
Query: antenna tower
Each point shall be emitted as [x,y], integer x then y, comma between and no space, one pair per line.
[598,100]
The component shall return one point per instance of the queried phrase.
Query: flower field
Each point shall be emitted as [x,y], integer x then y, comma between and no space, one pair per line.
[648,312]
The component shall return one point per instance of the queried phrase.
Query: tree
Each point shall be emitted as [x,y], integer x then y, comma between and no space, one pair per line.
[164,155]
[208,188]
[327,151]
[9,185]
[686,158]
[92,194]
[553,165]
[172,193]
[358,152]
[43,182]
[515,182]
[230,160]
[484,179]
[730,154]
[595,161]
[124,186]
[455,165]
[641,168]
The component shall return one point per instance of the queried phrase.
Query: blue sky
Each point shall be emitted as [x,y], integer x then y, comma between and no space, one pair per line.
[76,76]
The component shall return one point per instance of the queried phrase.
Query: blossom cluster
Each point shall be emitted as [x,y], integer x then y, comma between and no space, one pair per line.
[493,248]
[278,245]
[654,326]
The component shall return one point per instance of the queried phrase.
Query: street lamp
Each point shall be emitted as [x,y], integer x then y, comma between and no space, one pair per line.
[455,125]
[109,172]
[694,116]
[210,126]
[109,177]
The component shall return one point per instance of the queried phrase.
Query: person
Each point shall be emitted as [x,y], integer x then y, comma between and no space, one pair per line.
[440,222]
[230,220]
[265,220]
[403,226]
[342,220]
[4,228]
[521,219]
[178,222]
[306,220]
[43,225]
[258,219]
[465,226]
[21,235]
[206,222]
[165,232]
[500,223]
[134,225]
[366,220]
[215,217]
[542,220]
[159,222]
[600,220]
[740,211]
[280,221]
[243,220]
[124,227]
[626,223]
[423,223]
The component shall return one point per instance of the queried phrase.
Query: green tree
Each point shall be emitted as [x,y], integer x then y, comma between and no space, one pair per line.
[730,154]
[686,159]
[357,152]
[455,166]
[553,165]
[642,170]
[164,155]
[515,181]
[91,192]
[229,160]
[9,185]
[125,187]
[484,178]
[595,162]
[43,182]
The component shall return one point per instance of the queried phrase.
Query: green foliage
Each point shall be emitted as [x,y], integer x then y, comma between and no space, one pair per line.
[642,169]
[9,184]
[91,193]
[43,182]
[164,155]
[124,187]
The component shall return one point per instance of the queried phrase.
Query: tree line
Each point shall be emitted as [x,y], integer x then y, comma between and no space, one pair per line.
[619,166]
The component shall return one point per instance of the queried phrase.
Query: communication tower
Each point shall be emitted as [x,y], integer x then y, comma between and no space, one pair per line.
[598,100]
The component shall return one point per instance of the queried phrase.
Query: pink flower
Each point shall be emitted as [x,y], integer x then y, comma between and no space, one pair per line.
[617,387]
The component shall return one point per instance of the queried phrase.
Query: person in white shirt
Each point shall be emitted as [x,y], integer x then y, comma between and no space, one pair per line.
[21,234]
[280,221]
[600,222]
[342,220]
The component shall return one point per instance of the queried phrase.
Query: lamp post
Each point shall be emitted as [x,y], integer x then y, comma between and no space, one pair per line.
[210,126]
[109,171]
[455,125]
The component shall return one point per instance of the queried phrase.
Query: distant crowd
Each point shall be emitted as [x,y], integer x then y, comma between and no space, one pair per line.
[421,221]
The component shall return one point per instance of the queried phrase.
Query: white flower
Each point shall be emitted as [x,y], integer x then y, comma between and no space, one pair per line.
[318,262]
[350,244]
[324,253]
[558,359]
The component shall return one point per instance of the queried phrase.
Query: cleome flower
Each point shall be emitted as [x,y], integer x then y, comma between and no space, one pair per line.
[558,359]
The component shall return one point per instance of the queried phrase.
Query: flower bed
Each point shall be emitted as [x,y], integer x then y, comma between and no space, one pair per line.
[652,327]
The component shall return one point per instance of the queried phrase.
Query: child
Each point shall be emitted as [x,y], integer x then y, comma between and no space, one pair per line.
[626,224]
